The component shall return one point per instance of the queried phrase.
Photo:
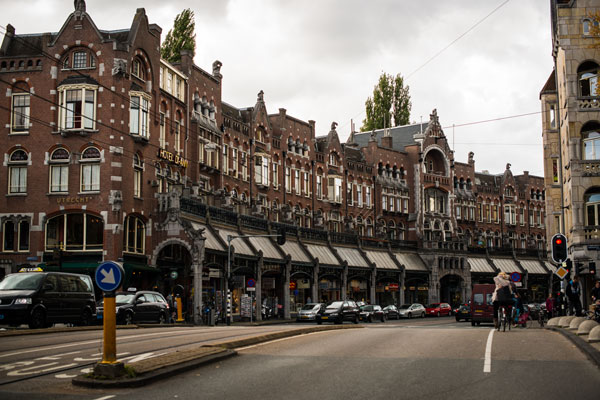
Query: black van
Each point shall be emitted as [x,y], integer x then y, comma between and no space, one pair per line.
[41,299]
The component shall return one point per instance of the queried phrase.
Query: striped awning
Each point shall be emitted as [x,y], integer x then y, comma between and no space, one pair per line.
[292,248]
[507,265]
[551,267]
[267,247]
[211,241]
[381,259]
[239,244]
[323,253]
[411,262]
[353,256]
[481,265]
[533,267]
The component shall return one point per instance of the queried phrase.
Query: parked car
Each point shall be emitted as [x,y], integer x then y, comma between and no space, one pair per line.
[391,311]
[338,312]
[135,307]
[438,309]
[370,313]
[412,310]
[482,309]
[309,311]
[463,312]
[41,299]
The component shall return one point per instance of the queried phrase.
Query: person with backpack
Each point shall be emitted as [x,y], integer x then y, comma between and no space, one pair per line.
[573,295]
[502,295]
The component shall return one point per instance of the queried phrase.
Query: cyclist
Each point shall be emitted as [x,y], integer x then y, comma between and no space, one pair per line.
[502,295]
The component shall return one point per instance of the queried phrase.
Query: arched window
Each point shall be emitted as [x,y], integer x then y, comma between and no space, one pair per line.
[590,134]
[74,232]
[59,171]
[90,170]
[135,233]
[79,59]
[137,69]
[17,172]
[587,74]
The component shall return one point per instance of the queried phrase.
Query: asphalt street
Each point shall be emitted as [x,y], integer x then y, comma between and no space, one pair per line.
[433,358]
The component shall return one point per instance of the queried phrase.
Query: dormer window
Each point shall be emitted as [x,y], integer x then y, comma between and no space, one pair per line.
[332,159]
[79,59]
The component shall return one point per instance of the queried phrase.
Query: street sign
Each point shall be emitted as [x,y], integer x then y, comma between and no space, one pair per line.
[108,276]
[292,285]
[561,272]
[251,289]
[250,283]
[515,277]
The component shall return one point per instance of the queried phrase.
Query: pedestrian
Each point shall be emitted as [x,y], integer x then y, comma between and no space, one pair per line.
[518,304]
[308,300]
[550,305]
[596,292]
[573,295]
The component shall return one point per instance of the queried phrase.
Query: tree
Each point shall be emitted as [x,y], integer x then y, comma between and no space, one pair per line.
[390,99]
[181,37]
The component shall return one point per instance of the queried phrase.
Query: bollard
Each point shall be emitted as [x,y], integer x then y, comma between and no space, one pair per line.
[228,307]
[179,310]
[109,348]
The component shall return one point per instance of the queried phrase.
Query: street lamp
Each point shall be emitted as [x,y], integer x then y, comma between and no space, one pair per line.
[280,241]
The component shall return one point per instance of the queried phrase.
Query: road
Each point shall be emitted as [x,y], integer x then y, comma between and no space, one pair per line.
[432,358]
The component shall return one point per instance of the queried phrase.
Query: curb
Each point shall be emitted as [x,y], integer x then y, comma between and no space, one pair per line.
[167,366]
[590,352]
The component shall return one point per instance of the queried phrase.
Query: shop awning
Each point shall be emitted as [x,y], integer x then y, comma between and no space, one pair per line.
[265,244]
[239,244]
[129,266]
[353,256]
[323,253]
[507,265]
[211,241]
[292,248]
[70,266]
[551,267]
[534,267]
[411,262]
[480,265]
[381,259]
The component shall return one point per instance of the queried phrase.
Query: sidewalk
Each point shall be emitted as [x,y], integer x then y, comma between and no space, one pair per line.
[150,370]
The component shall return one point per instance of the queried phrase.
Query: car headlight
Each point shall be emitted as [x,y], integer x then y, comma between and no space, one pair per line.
[23,300]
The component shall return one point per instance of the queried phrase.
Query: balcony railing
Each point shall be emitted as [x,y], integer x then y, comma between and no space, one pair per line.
[432,178]
[588,104]
[373,242]
[343,238]
[250,222]
[221,215]
[290,230]
[590,168]
[312,234]
[591,233]
[192,206]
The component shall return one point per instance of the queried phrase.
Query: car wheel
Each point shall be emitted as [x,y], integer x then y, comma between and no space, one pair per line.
[319,322]
[370,319]
[356,319]
[162,319]
[86,317]
[128,319]
[409,315]
[438,314]
[472,323]
[422,315]
[38,319]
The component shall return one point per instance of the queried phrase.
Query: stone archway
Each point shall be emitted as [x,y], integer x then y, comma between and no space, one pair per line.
[173,259]
[451,289]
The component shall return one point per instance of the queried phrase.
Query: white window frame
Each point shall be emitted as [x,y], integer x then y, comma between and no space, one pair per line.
[139,117]
[17,171]
[59,173]
[90,173]
[24,113]
[138,168]
[67,120]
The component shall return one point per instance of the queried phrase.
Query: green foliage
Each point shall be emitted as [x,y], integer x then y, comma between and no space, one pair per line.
[181,37]
[390,99]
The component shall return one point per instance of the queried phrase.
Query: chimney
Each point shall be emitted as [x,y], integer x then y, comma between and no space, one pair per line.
[386,141]
[10,33]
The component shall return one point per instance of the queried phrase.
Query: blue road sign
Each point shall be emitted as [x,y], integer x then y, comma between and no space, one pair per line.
[250,282]
[109,275]
[515,277]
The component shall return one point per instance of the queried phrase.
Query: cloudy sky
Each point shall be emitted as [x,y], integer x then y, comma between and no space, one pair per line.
[472,60]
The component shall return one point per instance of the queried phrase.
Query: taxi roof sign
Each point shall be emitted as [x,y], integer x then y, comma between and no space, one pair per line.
[31,269]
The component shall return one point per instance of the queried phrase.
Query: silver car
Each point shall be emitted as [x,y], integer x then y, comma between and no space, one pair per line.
[309,311]
[411,310]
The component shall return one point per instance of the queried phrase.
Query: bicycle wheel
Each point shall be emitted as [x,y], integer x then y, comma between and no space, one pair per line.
[504,320]
[499,319]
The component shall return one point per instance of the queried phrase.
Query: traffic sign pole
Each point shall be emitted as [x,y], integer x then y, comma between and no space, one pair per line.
[109,348]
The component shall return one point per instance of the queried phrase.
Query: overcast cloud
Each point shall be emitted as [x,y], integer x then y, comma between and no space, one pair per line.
[320,59]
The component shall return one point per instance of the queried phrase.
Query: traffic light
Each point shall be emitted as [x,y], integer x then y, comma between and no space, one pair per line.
[281,237]
[559,248]
[592,267]
[569,265]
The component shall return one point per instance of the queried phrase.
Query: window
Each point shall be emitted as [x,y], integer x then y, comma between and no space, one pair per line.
[588,79]
[226,160]
[77,107]
[405,206]
[59,171]
[332,159]
[170,82]
[234,162]
[368,196]
[552,116]
[384,203]
[137,175]
[17,172]
[334,189]
[74,232]
[359,195]
[275,175]
[288,180]
[163,136]
[435,201]
[261,170]
[297,181]
[590,133]
[306,188]
[554,171]
[90,170]
[349,197]
[135,233]
[510,216]
[139,115]
[137,69]
[15,239]
[79,59]
[319,187]
[244,166]
[178,124]
[20,112]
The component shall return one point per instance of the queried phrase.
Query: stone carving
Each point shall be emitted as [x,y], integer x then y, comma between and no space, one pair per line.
[261,96]
[334,125]
[79,5]
[119,67]
[217,67]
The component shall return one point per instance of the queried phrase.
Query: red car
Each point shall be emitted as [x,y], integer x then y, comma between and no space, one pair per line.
[438,309]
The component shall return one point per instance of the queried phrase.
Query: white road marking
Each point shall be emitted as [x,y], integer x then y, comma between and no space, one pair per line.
[34,369]
[280,340]
[57,356]
[487,364]
[106,397]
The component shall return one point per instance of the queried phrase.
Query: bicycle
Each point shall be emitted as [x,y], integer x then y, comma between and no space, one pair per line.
[503,319]
[542,318]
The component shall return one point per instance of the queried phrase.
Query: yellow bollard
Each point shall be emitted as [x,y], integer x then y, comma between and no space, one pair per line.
[109,349]
[179,310]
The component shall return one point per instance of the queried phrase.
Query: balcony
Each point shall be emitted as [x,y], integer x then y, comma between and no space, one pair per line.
[192,206]
[590,167]
[343,238]
[591,233]
[433,178]
[588,104]
[221,215]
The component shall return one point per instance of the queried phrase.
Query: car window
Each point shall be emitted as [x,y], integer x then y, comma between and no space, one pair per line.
[143,298]
[160,298]
[22,281]
[335,304]
[85,284]
[478,299]
[51,283]
[489,299]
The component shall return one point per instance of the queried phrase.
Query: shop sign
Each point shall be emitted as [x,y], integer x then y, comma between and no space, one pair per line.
[423,288]
[393,286]
[172,158]
[214,273]
[73,200]
[303,284]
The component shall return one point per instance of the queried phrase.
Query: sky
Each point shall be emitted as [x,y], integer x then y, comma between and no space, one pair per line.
[472,60]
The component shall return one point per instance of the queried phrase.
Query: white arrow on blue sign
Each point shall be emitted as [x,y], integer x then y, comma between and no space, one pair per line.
[109,275]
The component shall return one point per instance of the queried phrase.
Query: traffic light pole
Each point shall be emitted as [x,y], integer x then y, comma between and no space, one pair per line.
[227,295]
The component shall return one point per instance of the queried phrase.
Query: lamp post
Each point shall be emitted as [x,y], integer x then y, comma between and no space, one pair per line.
[280,240]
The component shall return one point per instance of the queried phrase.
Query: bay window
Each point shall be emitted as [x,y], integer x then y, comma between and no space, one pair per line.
[77,107]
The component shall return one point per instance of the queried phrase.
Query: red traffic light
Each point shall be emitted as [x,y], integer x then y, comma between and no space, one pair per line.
[558,241]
